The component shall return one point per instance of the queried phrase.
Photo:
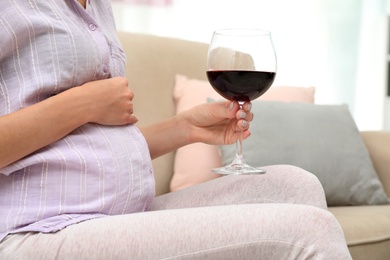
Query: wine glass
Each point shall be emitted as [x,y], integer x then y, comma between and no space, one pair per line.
[241,66]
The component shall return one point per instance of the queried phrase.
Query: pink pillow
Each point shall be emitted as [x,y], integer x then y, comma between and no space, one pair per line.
[193,163]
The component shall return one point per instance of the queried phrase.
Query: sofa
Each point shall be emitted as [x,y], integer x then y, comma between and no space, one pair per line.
[152,65]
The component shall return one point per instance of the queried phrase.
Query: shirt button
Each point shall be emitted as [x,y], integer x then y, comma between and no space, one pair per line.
[105,69]
[92,27]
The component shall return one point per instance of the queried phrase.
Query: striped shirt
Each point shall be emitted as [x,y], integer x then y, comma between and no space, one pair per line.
[46,47]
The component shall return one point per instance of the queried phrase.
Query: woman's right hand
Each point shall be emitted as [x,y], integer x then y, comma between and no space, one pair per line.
[111,101]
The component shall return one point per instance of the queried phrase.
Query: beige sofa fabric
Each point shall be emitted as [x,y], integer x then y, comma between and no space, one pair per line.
[367,230]
[378,144]
[152,63]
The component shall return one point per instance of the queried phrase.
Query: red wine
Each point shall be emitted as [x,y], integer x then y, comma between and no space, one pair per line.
[240,85]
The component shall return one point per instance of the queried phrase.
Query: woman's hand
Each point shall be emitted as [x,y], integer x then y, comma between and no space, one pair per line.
[106,102]
[110,101]
[212,123]
[219,122]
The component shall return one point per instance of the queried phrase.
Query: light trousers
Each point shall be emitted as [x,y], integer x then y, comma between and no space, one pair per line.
[279,215]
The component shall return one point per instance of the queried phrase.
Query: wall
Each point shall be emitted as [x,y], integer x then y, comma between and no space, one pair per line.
[323,43]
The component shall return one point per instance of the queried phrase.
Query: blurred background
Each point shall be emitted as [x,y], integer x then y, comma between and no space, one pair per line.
[339,47]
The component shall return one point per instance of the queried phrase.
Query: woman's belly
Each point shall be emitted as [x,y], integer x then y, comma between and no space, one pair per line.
[94,170]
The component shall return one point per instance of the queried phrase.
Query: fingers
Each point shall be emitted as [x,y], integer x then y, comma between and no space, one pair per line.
[244,117]
[131,119]
[128,108]
[242,113]
[245,112]
[129,96]
[247,106]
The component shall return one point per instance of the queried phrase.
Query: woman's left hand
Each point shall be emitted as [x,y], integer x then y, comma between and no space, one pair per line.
[212,123]
[219,123]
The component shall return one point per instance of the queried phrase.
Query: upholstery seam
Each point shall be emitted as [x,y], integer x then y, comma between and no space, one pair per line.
[369,241]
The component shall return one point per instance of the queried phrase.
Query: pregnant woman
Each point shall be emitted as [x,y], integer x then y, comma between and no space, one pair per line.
[76,178]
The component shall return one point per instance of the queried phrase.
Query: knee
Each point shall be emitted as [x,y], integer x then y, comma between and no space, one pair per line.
[295,175]
[298,183]
[292,170]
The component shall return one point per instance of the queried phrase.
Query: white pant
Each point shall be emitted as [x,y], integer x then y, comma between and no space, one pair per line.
[279,215]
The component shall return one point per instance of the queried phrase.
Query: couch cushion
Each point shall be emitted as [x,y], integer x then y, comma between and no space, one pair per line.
[191,92]
[366,229]
[322,139]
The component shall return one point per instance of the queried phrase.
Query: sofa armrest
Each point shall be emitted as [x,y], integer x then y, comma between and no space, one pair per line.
[378,145]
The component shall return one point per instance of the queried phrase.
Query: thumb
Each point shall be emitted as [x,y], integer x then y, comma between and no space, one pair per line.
[224,109]
[230,109]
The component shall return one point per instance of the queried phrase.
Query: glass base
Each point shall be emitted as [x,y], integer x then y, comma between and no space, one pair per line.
[238,169]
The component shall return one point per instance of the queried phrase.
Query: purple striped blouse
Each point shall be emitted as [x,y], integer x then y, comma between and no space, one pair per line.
[46,47]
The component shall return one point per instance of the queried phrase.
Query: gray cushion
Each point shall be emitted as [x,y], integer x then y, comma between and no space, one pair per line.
[322,139]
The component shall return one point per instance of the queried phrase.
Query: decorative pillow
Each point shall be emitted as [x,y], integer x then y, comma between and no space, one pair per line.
[322,139]
[193,163]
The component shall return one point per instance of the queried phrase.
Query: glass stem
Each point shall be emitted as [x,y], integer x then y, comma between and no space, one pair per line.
[239,156]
